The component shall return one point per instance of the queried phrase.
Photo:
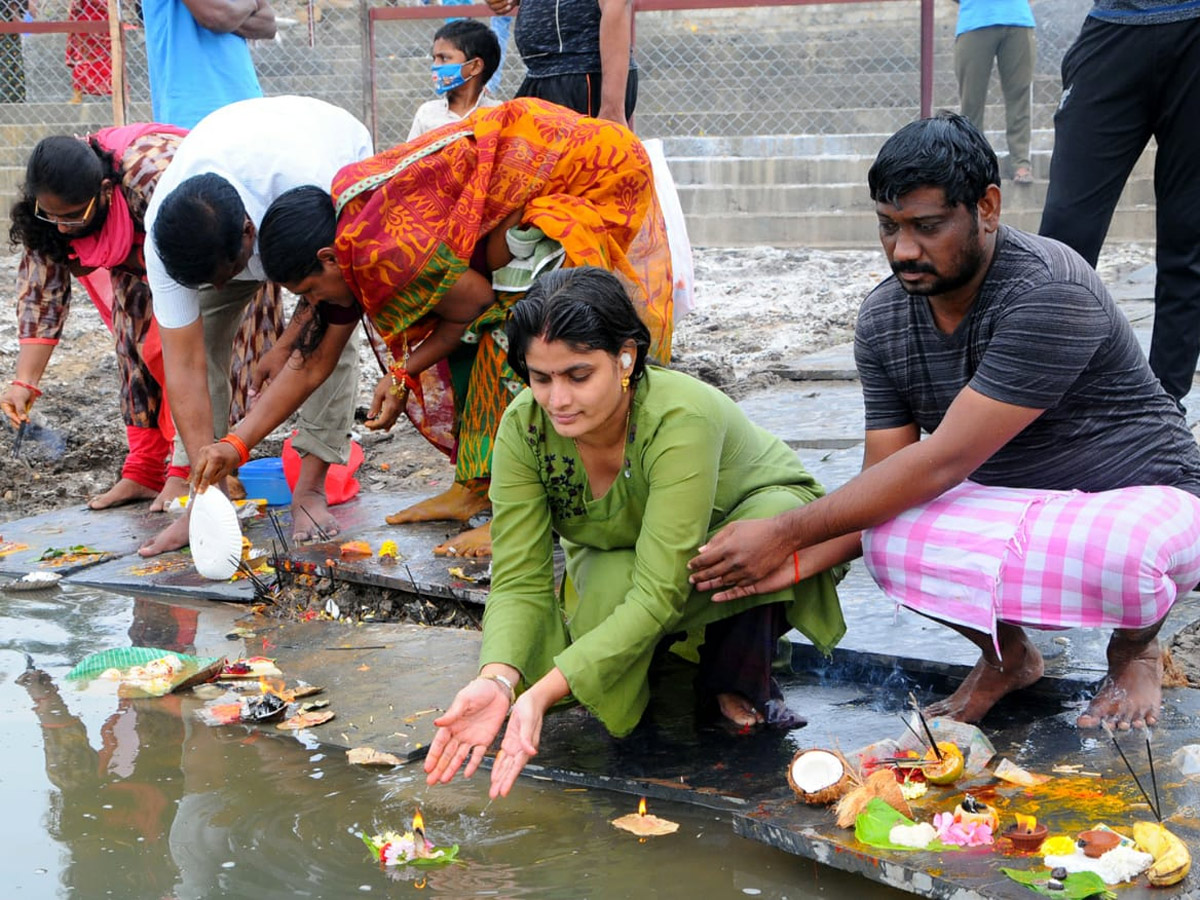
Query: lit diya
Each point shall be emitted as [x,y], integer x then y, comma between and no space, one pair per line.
[412,848]
[644,824]
[1026,834]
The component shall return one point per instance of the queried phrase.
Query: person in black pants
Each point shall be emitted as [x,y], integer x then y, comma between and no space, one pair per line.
[1134,73]
[577,53]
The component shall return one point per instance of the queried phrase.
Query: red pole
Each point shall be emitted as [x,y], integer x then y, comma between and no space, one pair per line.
[926,58]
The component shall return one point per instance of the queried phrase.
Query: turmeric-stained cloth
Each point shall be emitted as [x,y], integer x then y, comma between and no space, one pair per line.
[694,463]
[410,219]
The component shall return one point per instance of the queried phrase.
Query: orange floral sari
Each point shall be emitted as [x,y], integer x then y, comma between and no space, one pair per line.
[409,220]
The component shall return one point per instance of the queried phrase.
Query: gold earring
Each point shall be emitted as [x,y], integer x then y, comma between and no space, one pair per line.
[624,383]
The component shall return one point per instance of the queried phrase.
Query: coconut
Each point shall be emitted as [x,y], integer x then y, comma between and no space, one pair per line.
[818,777]
[881,784]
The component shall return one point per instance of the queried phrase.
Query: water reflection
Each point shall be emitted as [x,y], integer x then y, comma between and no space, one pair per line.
[137,799]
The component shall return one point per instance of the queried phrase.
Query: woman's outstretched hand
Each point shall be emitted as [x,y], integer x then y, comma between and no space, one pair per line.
[466,730]
[520,743]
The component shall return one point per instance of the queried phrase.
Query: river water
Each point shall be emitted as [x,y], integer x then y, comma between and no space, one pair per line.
[108,797]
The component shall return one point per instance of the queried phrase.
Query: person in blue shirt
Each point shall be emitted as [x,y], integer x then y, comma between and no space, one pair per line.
[198,57]
[1000,30]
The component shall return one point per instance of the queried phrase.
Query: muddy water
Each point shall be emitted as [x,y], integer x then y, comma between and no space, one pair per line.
[137,799]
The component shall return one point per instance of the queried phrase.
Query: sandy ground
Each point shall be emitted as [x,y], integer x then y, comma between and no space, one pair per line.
[754,307]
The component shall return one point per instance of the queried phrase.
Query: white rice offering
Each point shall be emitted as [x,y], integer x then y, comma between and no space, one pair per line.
[917,836]
[1121,863]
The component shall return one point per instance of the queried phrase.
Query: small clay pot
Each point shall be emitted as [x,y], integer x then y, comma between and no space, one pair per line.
[1096,843]
[1027,841]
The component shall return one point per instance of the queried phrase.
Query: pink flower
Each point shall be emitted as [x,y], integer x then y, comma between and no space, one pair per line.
[962,834]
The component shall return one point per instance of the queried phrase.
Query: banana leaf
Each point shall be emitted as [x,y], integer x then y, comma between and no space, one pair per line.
[875,823]
[1076,886]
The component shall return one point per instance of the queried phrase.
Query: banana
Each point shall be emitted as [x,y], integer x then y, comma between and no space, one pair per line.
[1171,858]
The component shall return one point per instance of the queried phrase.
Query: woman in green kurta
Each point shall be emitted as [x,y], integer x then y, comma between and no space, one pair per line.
[634,467]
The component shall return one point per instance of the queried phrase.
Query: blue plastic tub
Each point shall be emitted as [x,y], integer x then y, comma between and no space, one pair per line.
[263,479]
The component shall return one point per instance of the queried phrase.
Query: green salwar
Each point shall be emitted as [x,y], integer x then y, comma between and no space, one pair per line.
[694,464]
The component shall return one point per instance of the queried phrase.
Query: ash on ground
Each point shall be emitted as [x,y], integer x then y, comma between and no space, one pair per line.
[304,599]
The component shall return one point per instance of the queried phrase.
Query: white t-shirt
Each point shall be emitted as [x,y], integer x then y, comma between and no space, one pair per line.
[437,112]
[262,147]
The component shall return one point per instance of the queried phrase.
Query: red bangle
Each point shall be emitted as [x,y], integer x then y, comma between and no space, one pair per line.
[400,375]
[796,562]
[29,387]
[239,445]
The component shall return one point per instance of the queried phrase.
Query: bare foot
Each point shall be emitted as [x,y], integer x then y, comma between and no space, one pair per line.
[988,682]
[473,544]
[175,487]
[311,518]
[738,710]
[459,503]
[170,538]
[1131,694]
[124,491]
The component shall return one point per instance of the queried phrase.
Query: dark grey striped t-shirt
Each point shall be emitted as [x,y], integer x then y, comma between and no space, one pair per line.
[1044,334]
[559,37]
[1145,12]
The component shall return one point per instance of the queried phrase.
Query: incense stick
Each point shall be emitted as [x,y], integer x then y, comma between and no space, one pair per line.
[1136,780]
[937,751]
[20,438]
[1153,779]
[316,524]
[920,739]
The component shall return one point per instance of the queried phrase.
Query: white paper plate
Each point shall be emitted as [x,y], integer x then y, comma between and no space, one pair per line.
[215,535]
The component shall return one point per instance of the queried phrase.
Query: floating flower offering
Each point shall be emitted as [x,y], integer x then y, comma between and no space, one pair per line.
[412,848]
[644,824]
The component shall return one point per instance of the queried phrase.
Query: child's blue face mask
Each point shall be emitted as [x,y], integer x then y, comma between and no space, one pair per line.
[448,76]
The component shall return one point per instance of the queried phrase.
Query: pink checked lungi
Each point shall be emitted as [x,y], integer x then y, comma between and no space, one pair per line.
[1052,559]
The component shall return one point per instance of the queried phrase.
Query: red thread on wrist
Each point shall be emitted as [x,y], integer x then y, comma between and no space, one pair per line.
[796,562]
[29,387]
[237,444]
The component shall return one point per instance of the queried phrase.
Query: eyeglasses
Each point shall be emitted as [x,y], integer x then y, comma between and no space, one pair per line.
[62,220]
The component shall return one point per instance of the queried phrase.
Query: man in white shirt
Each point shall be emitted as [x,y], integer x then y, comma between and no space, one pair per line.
[203,267]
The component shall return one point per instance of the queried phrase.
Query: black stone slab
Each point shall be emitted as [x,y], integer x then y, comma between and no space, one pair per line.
[116,532]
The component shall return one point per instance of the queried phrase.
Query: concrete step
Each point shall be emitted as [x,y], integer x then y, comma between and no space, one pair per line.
[720,199]
[730,171]
[838,230]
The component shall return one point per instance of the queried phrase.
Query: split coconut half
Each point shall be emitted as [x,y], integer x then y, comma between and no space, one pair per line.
[819,777]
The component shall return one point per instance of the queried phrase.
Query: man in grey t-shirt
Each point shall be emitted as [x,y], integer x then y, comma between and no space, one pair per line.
[1006,350]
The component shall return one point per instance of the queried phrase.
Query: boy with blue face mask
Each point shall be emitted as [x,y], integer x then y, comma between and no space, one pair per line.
[465,55]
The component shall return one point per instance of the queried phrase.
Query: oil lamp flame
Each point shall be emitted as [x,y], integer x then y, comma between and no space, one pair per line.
[418,823]
[1026,824]
[642,807]
[420,848]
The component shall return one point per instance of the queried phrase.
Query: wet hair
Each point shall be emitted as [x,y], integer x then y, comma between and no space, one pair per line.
[945,151]
[586,308]
[70,169]
[199,228]
[297,225]
[474,39]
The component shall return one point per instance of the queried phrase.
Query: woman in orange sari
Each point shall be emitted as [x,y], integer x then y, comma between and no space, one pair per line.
[432,242]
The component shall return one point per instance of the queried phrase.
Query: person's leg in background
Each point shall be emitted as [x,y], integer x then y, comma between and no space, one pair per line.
[1015,59]
[323,439]
[1175,342]
[1102,124]
[973,55]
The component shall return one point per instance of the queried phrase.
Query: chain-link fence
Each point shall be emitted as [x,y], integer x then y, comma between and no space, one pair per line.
[810,68]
